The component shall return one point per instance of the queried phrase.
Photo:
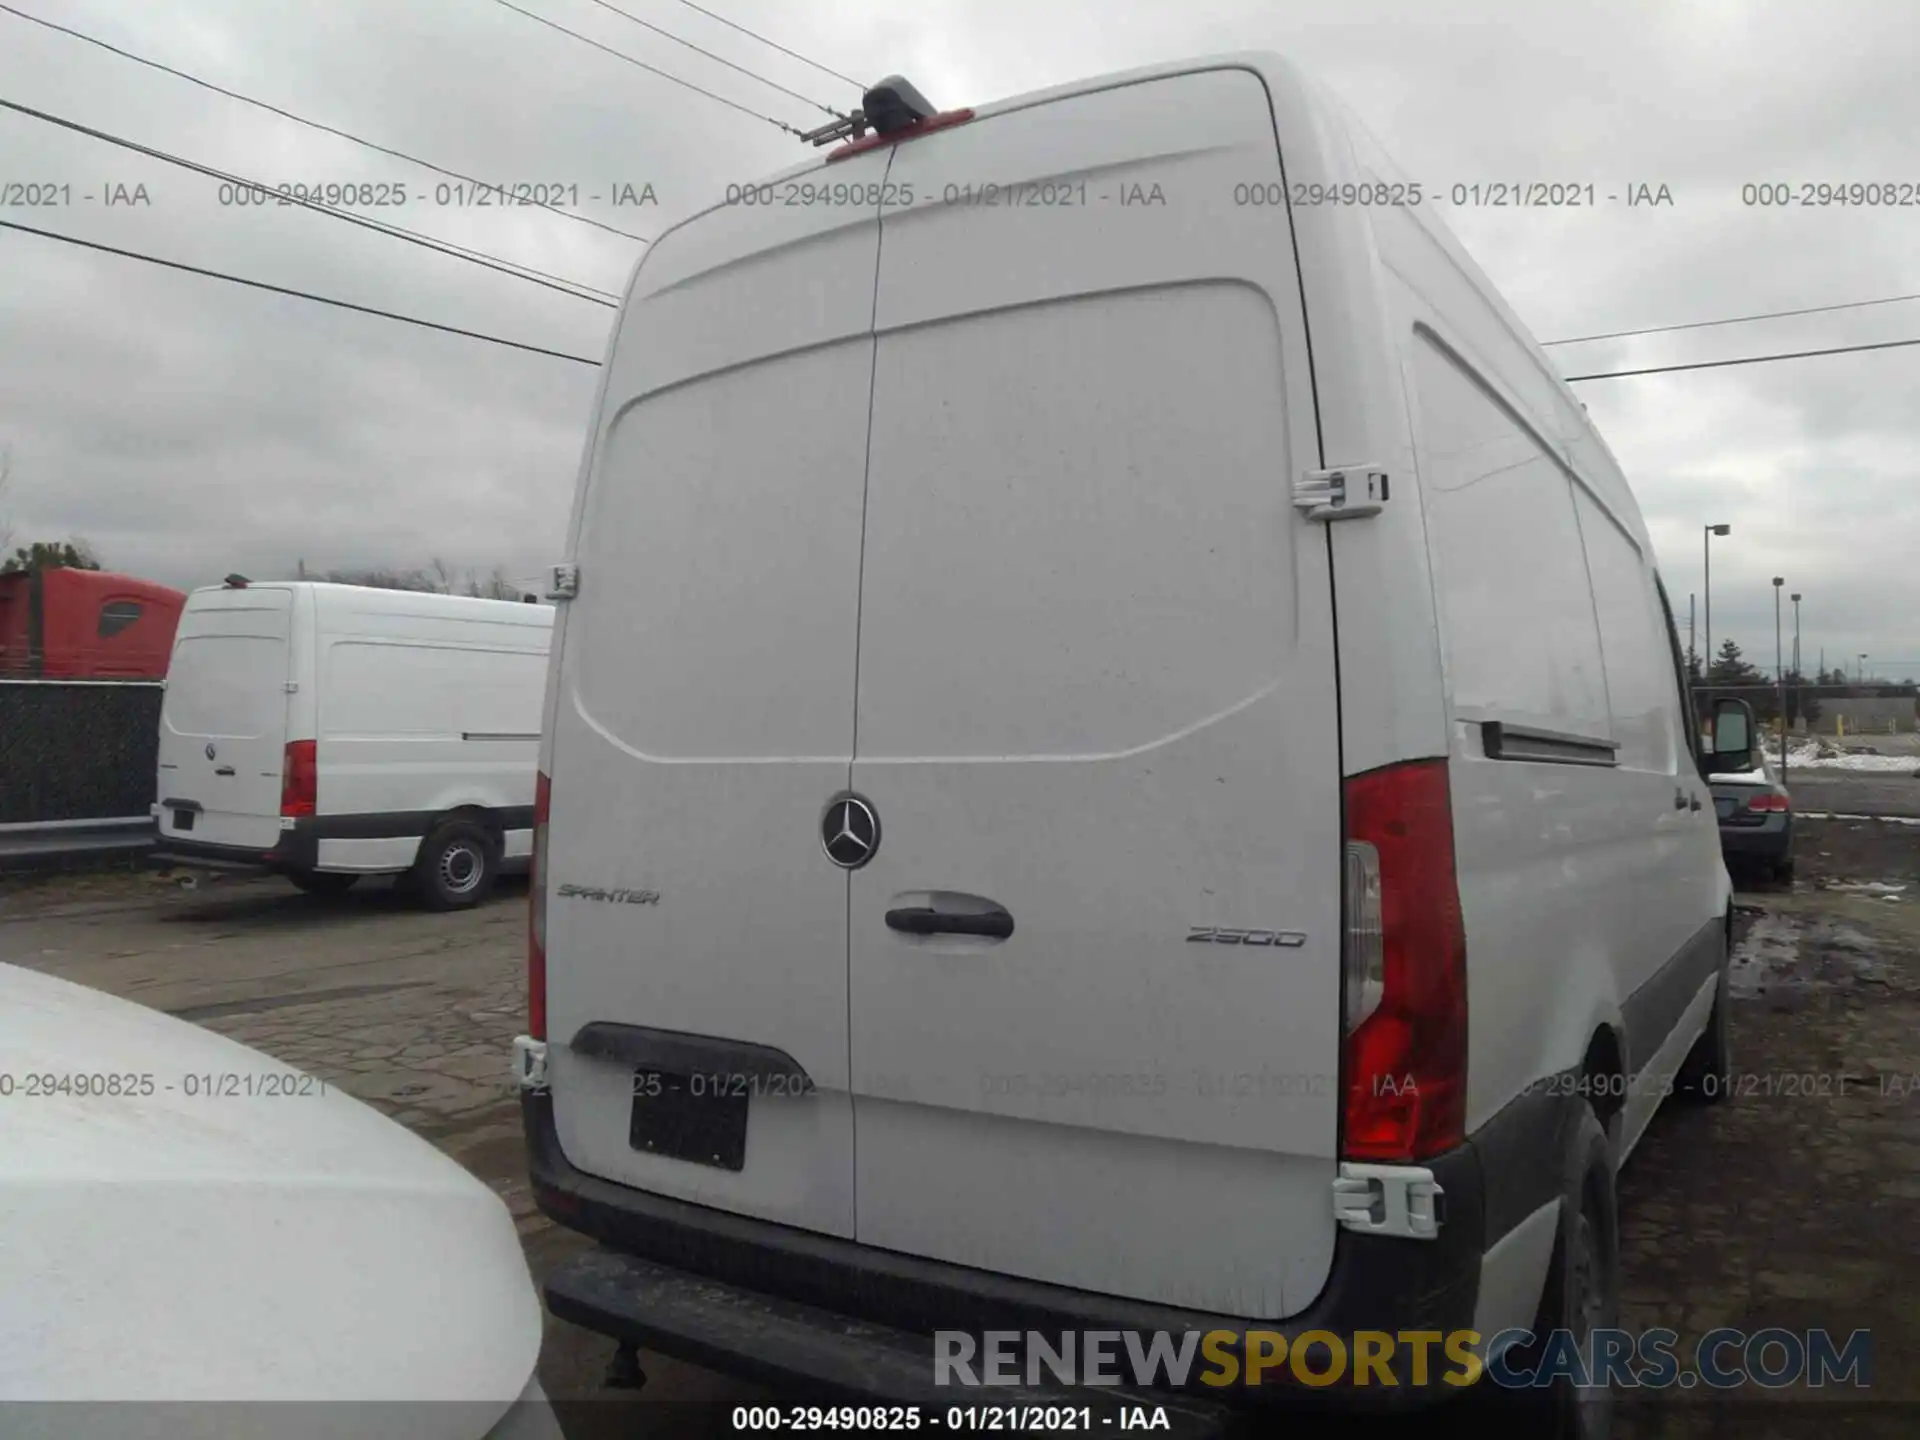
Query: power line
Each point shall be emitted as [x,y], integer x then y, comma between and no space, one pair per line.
[775,45]
[648,25]
[1747,360]
[652,69]
[1734,320]
[302,120]
[296,294]
[477,257]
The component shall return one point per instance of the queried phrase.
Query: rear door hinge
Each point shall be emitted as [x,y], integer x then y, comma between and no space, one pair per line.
[1402,1200]
[1341,494]
[565,583]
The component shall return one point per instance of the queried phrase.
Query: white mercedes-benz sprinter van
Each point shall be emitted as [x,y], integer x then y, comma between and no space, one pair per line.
[334,731]
[1116,761]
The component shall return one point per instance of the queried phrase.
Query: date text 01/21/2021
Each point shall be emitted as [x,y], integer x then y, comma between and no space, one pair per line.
[1491,195]
[198,1085]
[1006,1418]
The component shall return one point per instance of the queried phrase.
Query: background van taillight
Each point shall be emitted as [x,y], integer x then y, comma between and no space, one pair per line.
[1405,968]
[537,914]
[1768,804]
[299,788]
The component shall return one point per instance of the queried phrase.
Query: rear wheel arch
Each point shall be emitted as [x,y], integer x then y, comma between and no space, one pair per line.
[1604,1068]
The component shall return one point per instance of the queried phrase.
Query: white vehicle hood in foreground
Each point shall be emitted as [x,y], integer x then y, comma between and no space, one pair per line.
[284,1247]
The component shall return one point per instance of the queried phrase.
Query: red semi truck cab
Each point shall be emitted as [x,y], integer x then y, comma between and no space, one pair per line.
[63,624]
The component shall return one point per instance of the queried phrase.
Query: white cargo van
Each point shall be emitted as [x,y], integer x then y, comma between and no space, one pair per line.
[334,731]
[1116,760]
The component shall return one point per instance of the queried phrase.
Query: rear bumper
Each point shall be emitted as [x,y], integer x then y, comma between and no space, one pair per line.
[1772,839]
[299,848]
[831,1316]
[292,852]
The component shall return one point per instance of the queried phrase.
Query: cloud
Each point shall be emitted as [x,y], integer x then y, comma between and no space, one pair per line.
[190,428]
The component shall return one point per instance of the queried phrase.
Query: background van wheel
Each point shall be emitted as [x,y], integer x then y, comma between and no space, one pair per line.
[1582,1295]
[1783,871]
[457,865]
[322,882]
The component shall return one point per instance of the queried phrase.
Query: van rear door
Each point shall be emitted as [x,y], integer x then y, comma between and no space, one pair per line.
[223,724]
[1095,954]
[704,716]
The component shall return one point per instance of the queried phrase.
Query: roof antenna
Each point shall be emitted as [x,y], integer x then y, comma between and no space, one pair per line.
[888,108]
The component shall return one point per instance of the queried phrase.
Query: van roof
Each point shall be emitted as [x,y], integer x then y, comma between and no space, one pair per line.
[1310,116]
[391,602]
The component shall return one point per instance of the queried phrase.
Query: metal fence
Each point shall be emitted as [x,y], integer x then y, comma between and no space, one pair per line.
[77,750]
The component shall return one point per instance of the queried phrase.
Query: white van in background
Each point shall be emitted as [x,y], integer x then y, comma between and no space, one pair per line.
[333,731]
[1134,723]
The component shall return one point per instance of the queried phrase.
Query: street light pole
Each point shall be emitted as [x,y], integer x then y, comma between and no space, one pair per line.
[1799,676]
[1796,638]
[1780,675]
[1706,590]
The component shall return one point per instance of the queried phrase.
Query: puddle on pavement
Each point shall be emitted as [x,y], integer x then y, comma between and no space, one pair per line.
[1799,953]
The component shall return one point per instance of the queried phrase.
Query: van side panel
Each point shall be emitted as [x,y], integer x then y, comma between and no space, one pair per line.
[422,708]
[1544,850]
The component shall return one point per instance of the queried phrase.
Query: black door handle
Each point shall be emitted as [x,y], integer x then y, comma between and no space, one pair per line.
[923,920]
[224,770]
[1680,800]
[1693,802]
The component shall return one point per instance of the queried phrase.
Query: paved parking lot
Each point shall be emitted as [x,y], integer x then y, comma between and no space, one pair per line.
[1794,1204]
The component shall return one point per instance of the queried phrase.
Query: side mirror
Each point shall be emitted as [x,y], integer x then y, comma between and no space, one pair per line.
[1733,731]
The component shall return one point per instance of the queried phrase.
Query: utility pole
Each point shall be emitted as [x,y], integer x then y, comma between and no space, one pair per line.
[1706,590]
[1693,655]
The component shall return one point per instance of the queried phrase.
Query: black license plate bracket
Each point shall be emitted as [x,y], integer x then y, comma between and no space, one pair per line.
[689,1117]
[183,819]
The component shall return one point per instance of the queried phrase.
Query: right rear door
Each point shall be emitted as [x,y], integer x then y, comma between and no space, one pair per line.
[1096,697]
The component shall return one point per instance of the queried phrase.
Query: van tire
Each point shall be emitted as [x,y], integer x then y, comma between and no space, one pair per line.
[1706,1074]
[322,882]
[457,864]
[1582,1293]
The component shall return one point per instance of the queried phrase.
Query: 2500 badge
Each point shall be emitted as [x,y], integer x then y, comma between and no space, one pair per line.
[1213,935]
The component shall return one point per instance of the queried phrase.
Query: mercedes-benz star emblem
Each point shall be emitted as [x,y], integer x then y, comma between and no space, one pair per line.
[850,831]
[210,750]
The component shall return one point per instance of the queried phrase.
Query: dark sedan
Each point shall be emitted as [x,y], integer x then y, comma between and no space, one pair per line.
[1756,819]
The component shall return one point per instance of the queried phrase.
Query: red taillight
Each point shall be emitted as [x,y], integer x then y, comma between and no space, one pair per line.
[537,914]
[874,141]
[299,785]
[1406,1044]
[1768,804]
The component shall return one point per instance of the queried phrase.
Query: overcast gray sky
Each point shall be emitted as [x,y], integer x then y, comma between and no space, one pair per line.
[189,427]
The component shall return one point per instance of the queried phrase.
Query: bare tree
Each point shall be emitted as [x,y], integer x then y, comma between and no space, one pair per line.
[438,578]
[382,578]
[496,586]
